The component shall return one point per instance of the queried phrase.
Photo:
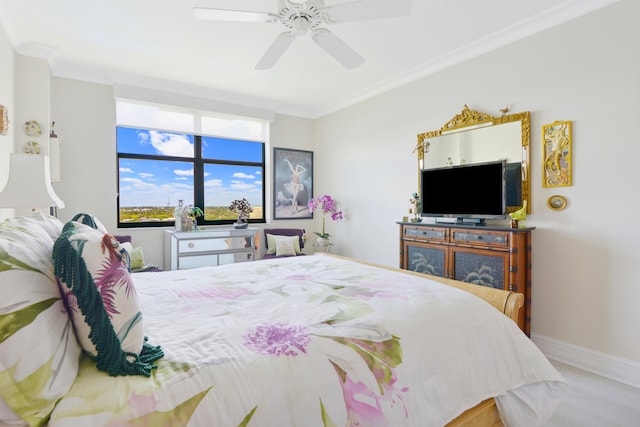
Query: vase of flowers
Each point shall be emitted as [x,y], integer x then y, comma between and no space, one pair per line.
[242,208]
[327,205]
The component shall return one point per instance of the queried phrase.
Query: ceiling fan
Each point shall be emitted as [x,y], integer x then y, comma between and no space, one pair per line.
[302,17]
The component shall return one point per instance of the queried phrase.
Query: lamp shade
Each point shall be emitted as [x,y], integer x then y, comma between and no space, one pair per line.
[29,184]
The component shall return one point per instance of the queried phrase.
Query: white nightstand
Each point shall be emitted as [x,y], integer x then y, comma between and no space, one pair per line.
[191,249]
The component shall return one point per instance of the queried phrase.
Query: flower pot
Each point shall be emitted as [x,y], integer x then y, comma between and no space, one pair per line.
[240,223]
[323,241]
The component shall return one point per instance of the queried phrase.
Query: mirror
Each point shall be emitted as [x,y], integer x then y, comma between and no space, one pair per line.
[474,137]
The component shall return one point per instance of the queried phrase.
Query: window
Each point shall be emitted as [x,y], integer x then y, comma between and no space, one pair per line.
[200,158]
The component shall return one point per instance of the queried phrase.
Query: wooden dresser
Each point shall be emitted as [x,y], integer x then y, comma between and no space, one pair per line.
[493,256]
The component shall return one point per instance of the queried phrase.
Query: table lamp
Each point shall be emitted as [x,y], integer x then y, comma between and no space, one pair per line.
[29,185]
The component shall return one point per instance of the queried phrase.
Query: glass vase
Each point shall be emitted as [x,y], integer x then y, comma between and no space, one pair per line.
[182,220]
[178,213]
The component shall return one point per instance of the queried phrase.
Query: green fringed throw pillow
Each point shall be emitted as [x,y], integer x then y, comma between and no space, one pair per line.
[102,301]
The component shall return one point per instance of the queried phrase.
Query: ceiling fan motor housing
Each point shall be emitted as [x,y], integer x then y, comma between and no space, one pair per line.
[301,17]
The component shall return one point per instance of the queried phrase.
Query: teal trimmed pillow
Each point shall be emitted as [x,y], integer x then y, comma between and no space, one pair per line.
[101,298]
[272,243]
[39,353]
[90,220]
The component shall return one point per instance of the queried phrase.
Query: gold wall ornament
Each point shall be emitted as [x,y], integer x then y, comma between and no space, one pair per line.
[557,203]
[4,120]
[467,118]
[472,123]
[557,162]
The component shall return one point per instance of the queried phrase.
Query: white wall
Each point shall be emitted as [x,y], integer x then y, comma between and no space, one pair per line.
[7,59]
[585,282]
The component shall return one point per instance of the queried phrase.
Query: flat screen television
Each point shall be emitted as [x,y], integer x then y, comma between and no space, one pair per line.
[467,193]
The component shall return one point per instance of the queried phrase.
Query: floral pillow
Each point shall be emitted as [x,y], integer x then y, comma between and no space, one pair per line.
[101,298]
[39,353]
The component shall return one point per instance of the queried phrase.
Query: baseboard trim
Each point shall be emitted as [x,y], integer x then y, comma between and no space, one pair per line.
[606,365]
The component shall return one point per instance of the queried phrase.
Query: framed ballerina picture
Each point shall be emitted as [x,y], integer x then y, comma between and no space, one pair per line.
[292,183]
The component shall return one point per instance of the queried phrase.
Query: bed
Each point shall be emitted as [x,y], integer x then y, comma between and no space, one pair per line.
[300,341]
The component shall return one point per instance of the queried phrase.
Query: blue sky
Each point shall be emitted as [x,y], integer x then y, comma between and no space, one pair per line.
[163,183]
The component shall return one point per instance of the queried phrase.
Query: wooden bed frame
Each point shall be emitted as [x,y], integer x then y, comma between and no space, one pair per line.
[484,414]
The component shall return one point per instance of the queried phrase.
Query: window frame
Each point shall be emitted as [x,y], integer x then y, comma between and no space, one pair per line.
[198,162]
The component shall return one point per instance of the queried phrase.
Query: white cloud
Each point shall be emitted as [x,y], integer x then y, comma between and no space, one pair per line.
[241,185]
[213,183]
[242,175]
[183,172]
[170,144]
[126,170]
[132,180]
[145,175]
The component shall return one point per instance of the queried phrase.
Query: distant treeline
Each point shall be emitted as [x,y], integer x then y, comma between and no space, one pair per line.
[165,213]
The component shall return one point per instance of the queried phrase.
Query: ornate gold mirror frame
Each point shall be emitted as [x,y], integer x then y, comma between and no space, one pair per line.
[470,122]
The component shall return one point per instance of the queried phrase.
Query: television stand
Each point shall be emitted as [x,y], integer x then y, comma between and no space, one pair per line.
[494,256]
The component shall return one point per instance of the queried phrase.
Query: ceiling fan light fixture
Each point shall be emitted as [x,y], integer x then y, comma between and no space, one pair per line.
[300,25]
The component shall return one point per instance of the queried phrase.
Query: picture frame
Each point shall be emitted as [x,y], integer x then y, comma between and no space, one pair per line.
[292,183]
[557,148]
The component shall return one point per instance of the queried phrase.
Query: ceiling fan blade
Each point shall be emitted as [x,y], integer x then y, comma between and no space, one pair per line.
[362,10]
[232,15]
[337,48]
[275,51]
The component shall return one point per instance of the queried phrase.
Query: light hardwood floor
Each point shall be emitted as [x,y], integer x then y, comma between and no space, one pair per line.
[595,401]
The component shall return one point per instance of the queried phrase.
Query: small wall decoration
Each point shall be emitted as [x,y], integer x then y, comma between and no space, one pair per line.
[292,183]
[4,120]
[557,167]
[557,203]
[32,128]
[32,147]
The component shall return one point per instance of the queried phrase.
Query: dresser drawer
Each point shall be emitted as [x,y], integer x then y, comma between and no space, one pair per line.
[480,238]
[186,246]
[425,233]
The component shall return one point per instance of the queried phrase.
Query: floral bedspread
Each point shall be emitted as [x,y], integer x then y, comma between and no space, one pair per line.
[310,341]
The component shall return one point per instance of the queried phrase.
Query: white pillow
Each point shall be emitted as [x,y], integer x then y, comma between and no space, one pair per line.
[273,238]
[285,247]
[136,255]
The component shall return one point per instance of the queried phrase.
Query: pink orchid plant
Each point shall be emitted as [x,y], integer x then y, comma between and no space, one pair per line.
[327,205]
